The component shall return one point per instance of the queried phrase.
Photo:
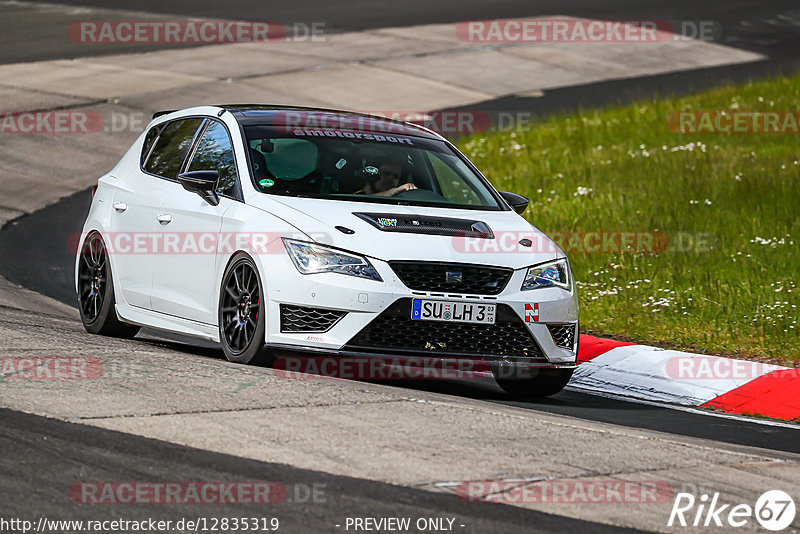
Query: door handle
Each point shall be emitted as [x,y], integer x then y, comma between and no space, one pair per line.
[164,218]
[120,206]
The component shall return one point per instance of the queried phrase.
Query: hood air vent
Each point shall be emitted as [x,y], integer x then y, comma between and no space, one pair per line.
[424,224]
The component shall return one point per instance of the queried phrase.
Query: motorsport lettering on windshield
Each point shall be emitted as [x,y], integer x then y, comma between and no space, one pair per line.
[353,135]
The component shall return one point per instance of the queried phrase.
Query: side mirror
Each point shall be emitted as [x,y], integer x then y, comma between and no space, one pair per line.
[203,183]
[518,202]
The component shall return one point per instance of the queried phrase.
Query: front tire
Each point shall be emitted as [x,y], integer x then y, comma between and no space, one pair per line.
[242,317]
[548,382]
[96,300]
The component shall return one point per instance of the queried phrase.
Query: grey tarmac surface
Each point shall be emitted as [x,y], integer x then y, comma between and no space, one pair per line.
[43,459]
[31,29]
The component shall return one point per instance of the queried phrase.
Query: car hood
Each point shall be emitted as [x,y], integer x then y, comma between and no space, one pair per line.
[390,232]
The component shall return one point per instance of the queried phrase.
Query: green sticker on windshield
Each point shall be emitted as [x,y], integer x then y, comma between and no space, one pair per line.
[266,182]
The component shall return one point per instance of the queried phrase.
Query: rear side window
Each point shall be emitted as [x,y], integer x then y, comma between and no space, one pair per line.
[148,141]
[171,147]
[215,153]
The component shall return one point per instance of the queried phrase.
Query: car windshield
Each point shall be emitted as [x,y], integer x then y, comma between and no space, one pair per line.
[364,166]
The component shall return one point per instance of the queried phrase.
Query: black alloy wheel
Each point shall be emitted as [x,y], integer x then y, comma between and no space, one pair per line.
[241,312]
[96,300]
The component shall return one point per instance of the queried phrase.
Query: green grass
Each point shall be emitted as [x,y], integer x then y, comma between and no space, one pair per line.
[739,295]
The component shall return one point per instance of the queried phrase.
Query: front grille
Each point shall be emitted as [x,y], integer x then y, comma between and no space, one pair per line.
[452,277]
[301,319]
[563,335]
[393,331]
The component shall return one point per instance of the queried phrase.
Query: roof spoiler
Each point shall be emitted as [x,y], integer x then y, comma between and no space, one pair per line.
[157,114]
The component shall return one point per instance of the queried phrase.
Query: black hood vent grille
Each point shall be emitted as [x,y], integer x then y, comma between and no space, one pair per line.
[425,224]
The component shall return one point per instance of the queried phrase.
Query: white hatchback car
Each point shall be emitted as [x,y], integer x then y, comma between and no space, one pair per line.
[281,230]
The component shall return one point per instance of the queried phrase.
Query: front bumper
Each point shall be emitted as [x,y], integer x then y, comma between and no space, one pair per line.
[364,301]
[293,361]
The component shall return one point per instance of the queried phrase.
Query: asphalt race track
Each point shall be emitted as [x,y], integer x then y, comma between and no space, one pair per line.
[43,455]
[766,26]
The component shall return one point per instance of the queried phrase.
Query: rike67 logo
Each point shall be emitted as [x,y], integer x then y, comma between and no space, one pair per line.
[774,510]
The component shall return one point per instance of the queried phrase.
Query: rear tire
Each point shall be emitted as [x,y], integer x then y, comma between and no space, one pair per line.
[242,316]
[96,300]
[548,382]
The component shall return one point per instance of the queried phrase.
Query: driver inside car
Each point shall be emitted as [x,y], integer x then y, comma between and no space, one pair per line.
[384,183]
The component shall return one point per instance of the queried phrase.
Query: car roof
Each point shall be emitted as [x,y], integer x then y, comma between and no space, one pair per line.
[305,118]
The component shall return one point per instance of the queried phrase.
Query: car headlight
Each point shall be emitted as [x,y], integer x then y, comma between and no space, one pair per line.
[311,258]
[551,274]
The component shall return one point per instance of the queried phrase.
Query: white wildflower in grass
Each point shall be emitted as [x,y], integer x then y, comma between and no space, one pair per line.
[689,147]
[642,152]
[583,191]
[772,241]
[664,302]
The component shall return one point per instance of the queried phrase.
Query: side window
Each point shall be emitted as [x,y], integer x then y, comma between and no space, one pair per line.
[171,148]
[215,153]
[454,187]
[148,141]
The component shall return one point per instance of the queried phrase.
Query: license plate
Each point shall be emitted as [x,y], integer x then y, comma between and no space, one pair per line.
[454,312]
